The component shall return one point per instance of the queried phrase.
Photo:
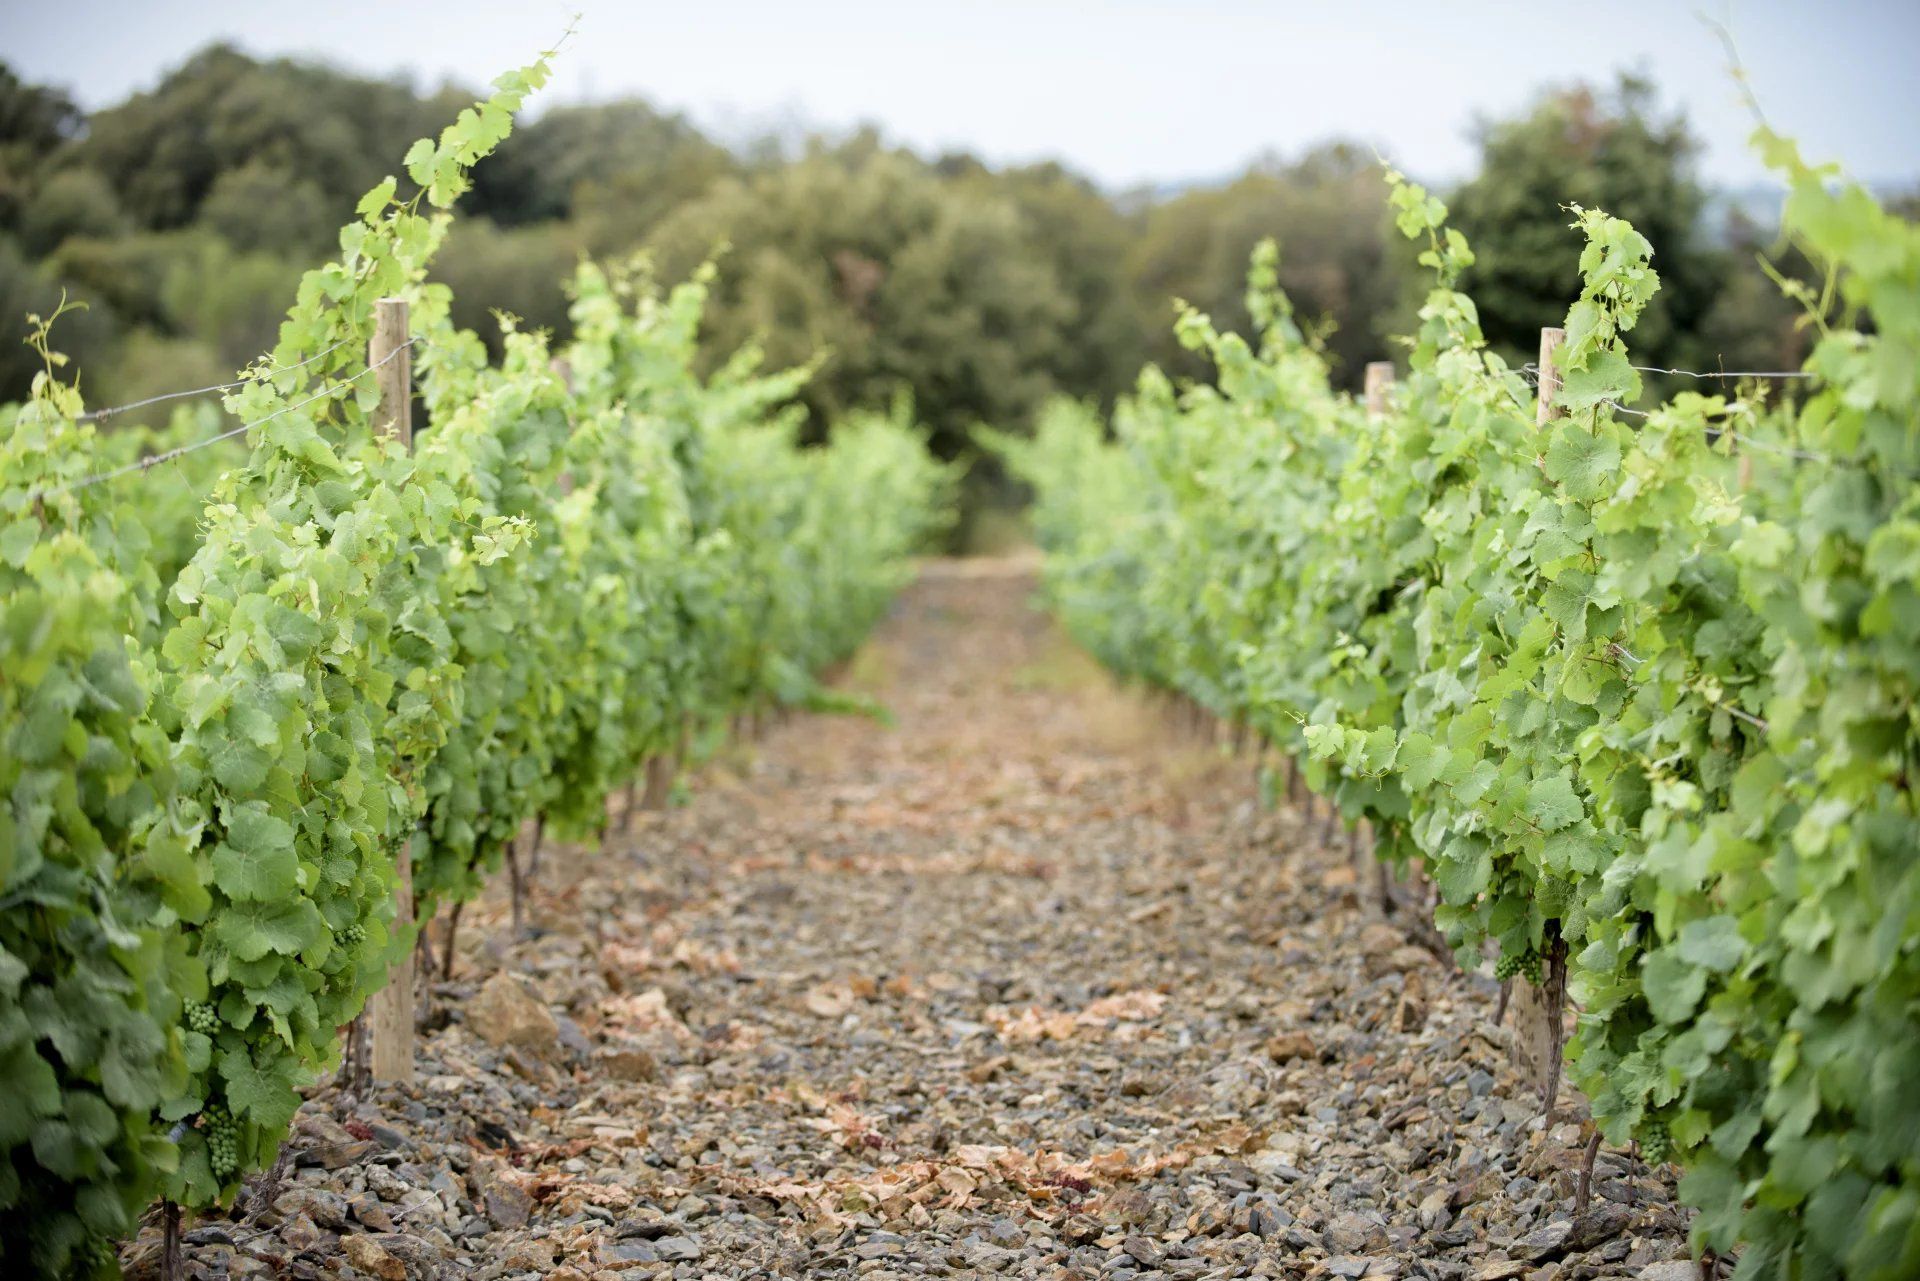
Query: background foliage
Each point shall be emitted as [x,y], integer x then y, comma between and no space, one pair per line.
[182,215]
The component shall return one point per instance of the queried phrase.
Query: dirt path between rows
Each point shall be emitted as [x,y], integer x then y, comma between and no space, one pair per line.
[1022,984]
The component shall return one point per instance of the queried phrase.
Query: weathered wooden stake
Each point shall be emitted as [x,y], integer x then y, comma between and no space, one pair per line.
[1557,1011]
[659,789]
[392,1007]
[628,800]
[1549,391]
[1379,378]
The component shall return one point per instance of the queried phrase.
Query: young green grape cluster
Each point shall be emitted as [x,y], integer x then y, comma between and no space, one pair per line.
[1656,1143]
[223,1141]
[353,936]
[1526,964]
[202,1018]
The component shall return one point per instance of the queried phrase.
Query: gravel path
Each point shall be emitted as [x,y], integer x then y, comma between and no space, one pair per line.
[1023,984]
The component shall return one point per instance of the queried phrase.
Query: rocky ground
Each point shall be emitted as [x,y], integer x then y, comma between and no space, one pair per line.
[1024,984]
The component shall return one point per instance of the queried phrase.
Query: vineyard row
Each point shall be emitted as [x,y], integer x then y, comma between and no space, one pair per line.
[262,717]
[1634,688]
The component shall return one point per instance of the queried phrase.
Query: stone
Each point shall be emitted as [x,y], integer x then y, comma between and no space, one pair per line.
[507,1203]
[649,1226]
[1544,1243]
[1410,1012]
[629,1251]
[505,1014]
[1128,1206]
[572,1039]
[328,1209]
[372,1214]
[367,1255]
[1377,938]
[528,1256]
[1354,1234]
[1409,958]
[678,1249]
[333,1156]
[388,1137]
[1284,1047]
[626,1063]
[302,1233]
[1502,1270]
[1600,1223]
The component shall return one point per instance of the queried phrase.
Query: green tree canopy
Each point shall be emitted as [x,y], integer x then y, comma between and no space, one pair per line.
[1613,150]
[1338,260]
[655,160]
[903,280]
[165,150]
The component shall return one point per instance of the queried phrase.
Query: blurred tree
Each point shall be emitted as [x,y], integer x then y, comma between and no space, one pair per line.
[229,300]
[35,121]
[35,118]
[1344,270]
[618,210]
[1751,323]
[127,273]
[88,336]
[70,202]
[1086,238]
[164,150]
[656,159]
[262,206]
[902,279]
[1611,150]
[518,271]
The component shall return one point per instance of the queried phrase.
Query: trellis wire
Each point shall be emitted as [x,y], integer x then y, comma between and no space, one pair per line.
[95,415]
[1530,374]
[167,456]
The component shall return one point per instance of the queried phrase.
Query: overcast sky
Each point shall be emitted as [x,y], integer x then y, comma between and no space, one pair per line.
[1127,91]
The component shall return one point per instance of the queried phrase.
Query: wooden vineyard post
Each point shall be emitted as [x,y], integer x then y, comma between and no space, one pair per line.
[1538,1010]
[1379,381]
[391,1010]
[1549,393]
[1379,378]
[661,768]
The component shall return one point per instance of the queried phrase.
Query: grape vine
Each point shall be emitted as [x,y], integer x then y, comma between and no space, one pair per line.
[1636,686]
[236,686]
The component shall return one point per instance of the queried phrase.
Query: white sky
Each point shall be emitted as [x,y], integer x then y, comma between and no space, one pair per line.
[1127,91]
